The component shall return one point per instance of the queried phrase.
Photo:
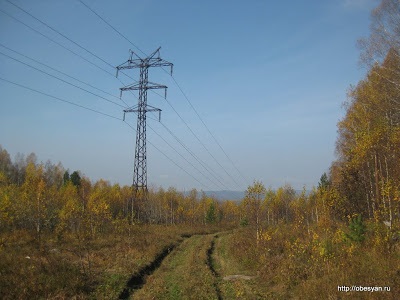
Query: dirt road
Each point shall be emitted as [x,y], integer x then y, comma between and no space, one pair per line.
[200,267]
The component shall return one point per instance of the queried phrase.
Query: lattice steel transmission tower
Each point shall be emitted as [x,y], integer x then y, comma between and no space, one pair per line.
[143,85]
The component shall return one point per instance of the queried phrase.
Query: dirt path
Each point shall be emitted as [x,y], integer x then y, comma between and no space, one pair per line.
[200,267]
[186,273]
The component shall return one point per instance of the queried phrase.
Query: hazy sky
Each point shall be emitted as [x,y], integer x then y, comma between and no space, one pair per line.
[267,77]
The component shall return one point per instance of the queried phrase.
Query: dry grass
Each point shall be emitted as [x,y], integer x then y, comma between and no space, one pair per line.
[78,268]
[184,274]
[287,262]
[292,263]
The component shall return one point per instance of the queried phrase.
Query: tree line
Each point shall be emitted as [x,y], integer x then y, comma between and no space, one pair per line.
[44,197]
[366,175]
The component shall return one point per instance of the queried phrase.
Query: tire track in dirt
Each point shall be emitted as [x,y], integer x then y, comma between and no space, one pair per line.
[138,279]
[210,265]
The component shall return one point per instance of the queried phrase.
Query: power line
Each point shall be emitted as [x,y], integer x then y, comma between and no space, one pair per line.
[58,98]
[160,136]
[208,168]
[203,164]
[58,78]
[113,96]
[123,36]
[52,40]
[54,69]
[201,143]
[98,112]
[170,159]
[62,46]
[63,35]
[209,131]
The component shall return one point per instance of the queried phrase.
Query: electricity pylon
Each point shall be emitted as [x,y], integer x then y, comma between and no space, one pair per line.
[143,85]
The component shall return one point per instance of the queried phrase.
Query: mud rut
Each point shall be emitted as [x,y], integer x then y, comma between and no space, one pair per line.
[138,280]
[211,267]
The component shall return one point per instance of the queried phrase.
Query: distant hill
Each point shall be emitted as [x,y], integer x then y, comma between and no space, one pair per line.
[232,195]
[221,195]
[226,195]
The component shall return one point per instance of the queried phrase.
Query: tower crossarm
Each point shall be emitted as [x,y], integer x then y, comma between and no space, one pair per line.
[138,86]
[145,63]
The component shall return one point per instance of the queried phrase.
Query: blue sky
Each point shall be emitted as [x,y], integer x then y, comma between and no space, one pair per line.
[267,77]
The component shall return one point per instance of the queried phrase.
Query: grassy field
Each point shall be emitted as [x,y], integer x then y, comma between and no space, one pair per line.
[237,280]
[195,263]
[81,269]
[291,264]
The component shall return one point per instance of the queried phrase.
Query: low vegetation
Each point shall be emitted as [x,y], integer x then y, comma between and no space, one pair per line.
[97,268]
